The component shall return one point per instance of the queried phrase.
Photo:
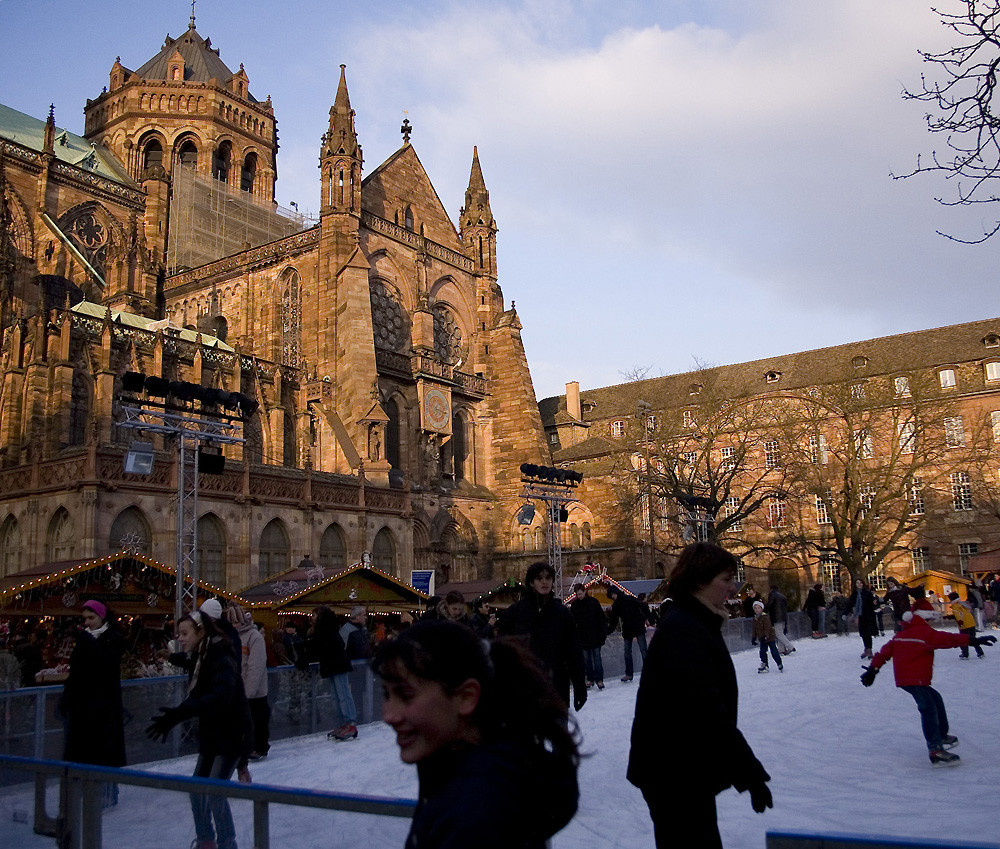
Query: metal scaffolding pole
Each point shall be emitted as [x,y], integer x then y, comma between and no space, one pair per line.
[555,496]
[190,432]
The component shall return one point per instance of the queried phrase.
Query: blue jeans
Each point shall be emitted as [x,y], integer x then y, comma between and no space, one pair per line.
[206,808]
[933,717]
[627,643]
[773,646]
[593,664]
[342,695]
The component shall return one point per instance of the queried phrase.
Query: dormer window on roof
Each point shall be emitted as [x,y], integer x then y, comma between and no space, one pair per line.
[991,340]
[859,362]
[772,376]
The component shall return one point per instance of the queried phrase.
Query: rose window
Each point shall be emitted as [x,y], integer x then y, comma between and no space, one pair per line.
[447,336]
[89,231]
[388,321]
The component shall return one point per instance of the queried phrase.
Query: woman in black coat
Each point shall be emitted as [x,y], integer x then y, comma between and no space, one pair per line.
[92,695]
[861,603]
[216,698]
[687,707]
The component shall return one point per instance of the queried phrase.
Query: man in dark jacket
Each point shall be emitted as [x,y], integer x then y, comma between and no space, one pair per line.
[777,610]
[816,608]
[550,630]
[634,616]
[591,631]
[327,648]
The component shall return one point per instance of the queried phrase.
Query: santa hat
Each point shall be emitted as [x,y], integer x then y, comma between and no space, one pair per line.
[922,607]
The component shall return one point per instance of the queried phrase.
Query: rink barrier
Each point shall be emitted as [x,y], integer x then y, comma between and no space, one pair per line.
[811,840]
[78,822]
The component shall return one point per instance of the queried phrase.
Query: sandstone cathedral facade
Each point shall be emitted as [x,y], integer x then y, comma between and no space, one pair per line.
[395,401]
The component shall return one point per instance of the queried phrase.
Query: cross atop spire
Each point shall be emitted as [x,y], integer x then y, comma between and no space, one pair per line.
[191,23]
[406,129]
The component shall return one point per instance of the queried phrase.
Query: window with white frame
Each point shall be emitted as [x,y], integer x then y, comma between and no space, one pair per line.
[965,551]
[618,428]
[863,444]
[993,370]
[687,418]
[917,497]
[947,378]
[907,437]
[817,450]
[652,423]
[954,432]
[858,392]
[830,569]
[961,491]
[772,454]
[689,457]
[732,508]
[876,578]
[921,557]
[776,512]
[995,421]
[727,456]
[822,514]
[868,501]
[902,385]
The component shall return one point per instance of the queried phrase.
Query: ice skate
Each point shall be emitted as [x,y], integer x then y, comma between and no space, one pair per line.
[949,741]
[762,668]
[940,757]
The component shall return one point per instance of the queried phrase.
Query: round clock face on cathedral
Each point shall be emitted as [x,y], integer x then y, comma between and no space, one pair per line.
[436,411]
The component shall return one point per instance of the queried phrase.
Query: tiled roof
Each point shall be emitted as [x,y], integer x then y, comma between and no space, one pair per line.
[92,310]
[201,60]
[921,349]
[69,148]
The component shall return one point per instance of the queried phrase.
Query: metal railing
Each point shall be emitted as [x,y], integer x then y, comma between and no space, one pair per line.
[78,824]
[812,840]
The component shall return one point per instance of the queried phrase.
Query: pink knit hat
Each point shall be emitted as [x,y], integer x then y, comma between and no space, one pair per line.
[98,608]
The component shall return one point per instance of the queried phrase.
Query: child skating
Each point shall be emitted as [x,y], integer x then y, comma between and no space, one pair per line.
[763,632]
[912,654]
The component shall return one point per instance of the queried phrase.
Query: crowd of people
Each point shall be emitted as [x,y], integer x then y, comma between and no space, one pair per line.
[480,699]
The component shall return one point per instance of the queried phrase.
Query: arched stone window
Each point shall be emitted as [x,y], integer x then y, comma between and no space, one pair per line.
[585,534]
[187,154]
[10,547]
[130,532]
[408,219]
[60,538]
[152,154]
[249,172]
[211,550]
[333,549]
[391,409]
[289,444]
[275,552]
[221,162]
[291,317]
[459,446]
[384,551]
[574,535]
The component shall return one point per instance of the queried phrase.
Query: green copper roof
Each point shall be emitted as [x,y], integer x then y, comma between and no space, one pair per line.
[70,148]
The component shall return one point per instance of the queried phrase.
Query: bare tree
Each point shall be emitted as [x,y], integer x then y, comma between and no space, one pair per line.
[860,455]
[698,471]
[962,91]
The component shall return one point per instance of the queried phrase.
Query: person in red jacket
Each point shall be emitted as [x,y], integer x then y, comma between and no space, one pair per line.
[912,654]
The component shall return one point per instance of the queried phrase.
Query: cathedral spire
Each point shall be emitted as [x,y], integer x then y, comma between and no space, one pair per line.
[49,142]
[340,157]
[477,228]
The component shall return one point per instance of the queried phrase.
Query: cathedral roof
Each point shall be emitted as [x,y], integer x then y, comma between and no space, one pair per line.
[127,319]
[201,60]
[68,147]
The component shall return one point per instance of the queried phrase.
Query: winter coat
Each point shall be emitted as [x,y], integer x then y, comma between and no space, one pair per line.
[92,700]
[899,599]
[591,623]
[254,668]
[763,630]
[867,623]
[327,647]
[912,652]
[481,626]
[217,699]
[815,600]
[356,641]
[962,611]
[776,607]
[500,795]
[687,706]
[634,616]
[551,633]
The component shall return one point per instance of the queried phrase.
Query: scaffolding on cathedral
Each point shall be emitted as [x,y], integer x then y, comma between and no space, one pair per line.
[210,220]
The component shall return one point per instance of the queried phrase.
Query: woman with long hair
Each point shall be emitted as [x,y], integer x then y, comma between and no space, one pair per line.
[216,698]
[687,707]
[489,735]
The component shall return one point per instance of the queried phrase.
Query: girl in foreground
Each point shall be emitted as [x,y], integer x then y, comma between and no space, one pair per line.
[488,733]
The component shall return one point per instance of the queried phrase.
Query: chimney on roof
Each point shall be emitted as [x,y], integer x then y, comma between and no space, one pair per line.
[573,400]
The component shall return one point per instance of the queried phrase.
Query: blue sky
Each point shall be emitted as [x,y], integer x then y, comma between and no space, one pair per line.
[675,182]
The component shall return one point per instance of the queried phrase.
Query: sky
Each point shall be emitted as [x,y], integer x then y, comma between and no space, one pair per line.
[842,759]
[676,183]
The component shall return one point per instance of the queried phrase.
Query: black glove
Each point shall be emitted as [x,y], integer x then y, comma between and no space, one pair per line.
[988,640]
[160,727]
[760,797]
[753,642]
[579,699]
[868,676]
